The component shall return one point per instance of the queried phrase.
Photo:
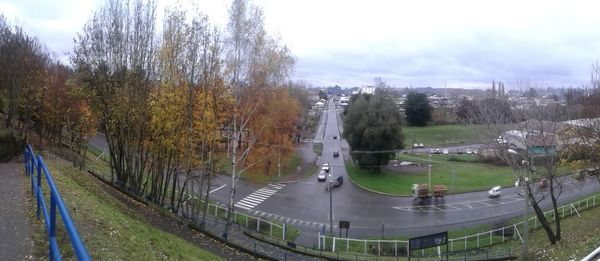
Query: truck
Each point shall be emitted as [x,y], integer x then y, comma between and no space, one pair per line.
[421,192]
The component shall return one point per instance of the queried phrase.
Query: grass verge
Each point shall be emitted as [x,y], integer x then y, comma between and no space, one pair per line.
[109,229]
[441,135]
[457,176]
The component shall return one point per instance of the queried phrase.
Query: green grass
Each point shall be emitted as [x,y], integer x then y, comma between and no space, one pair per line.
[457,176]
[580,236]
[109,229]
[442,135]
[257,176]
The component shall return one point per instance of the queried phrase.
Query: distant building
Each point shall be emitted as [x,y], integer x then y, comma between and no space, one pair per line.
[367,90]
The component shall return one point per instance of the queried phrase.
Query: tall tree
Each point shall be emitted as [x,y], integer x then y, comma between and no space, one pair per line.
[114,58]
[532,141]
[255,63]
[418,110]
[372,127]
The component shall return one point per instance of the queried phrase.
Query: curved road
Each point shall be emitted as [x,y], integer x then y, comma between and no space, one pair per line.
[306,204]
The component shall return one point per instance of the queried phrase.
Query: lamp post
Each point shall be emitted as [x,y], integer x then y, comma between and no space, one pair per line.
[330,205]
[525,186]
[429,171]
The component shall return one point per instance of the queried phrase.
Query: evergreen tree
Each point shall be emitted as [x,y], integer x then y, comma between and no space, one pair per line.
[418,109]
[372,127]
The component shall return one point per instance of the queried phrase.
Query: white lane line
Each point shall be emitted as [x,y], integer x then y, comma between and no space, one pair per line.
[248,203]
[267,190]
[216,189]
[468,205]
[453,207]
[261,194]
[258,196]
[242,207]
[255,201]
[487,204]
[240,204]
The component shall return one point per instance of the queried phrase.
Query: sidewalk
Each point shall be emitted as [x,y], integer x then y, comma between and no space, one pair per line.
[15,229]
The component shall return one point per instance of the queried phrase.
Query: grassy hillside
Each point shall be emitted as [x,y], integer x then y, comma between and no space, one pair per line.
[109,228]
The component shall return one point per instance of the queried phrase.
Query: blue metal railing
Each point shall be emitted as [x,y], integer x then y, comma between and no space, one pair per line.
[34,167]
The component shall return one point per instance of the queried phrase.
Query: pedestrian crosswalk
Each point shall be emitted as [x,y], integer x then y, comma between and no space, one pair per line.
[258,196]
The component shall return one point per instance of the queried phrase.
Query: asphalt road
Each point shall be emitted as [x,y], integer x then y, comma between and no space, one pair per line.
[305,204]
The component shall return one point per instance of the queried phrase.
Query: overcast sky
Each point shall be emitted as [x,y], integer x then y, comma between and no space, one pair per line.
[407,43]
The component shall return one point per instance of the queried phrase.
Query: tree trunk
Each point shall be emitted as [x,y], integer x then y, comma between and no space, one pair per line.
[555,209]
[541,217]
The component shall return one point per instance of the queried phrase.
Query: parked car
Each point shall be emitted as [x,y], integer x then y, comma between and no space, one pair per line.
[494,192]
[416,145]
[322,176]
[336,153]
[445,151]
[334,137]
[421,145]
[431,151]
[469,151]
[438,151]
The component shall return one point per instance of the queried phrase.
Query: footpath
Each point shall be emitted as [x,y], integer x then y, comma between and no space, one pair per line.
[15,228]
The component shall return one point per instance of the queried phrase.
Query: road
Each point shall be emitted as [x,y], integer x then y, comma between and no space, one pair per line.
[305,204]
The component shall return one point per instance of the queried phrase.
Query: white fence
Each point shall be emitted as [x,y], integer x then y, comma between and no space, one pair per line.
[455,245]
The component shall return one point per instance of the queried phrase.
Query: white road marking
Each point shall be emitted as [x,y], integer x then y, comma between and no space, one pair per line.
[216,189]
[258,196]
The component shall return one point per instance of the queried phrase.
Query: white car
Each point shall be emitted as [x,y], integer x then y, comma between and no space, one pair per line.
[322,175]
[421,145]
[445,151]
[469,151]
[494,192]
[325,167]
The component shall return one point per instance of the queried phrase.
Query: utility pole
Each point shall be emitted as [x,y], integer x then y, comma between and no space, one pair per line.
[526,214]
[330,204]
[429,170]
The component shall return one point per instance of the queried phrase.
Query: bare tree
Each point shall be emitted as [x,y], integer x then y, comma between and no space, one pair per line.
[528,140]
[255,62]
[114,57]
[582,149]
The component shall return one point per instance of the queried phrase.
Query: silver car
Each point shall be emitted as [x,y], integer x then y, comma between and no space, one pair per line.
[322,176]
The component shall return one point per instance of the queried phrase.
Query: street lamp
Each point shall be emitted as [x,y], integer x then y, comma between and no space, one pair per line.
[429,170]
[330,204]
[525,186]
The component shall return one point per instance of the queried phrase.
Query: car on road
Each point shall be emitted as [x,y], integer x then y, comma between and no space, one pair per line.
[431,151]
[325,167]
[336,153]
[494,192]
[469,151]
[322,176]
[335,137]
[445,151]
[438,151]
[338,181]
